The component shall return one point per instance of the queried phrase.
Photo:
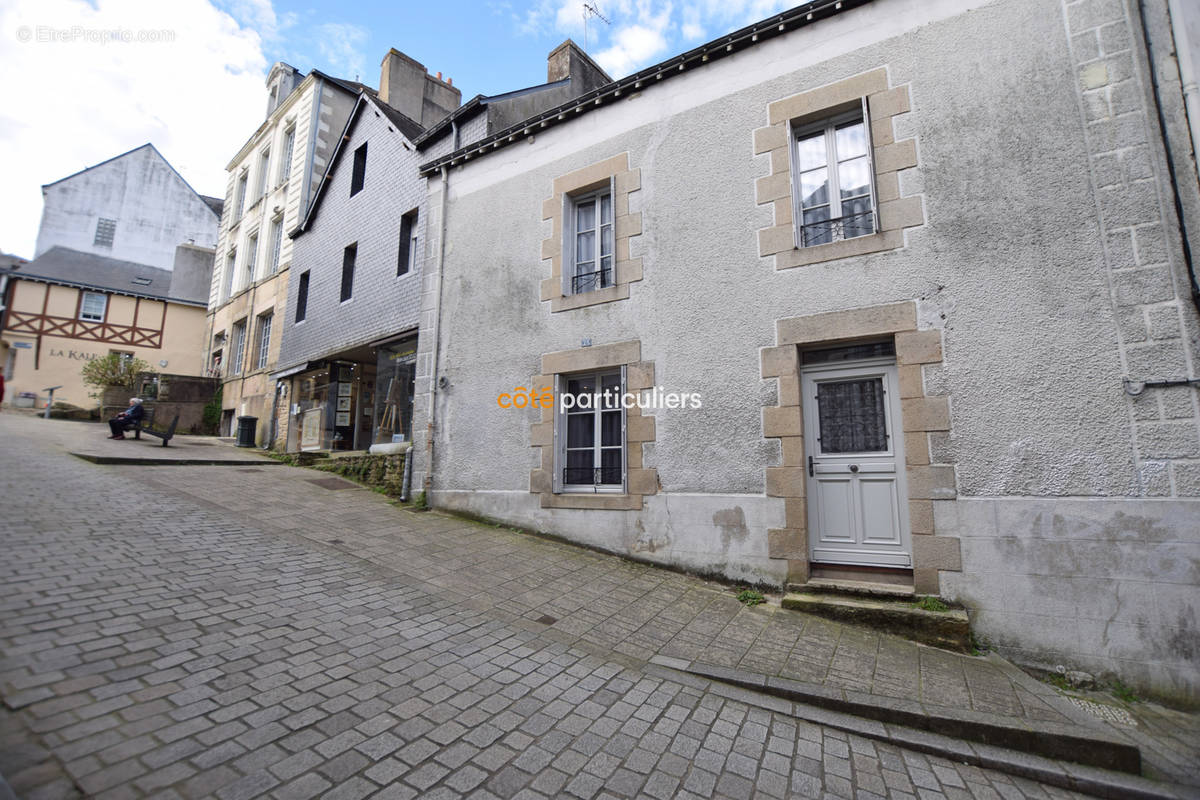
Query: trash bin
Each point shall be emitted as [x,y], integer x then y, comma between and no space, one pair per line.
[245,431]
[25,400]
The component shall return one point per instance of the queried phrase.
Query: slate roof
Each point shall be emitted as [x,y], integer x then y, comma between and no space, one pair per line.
[406,126]
[696,58]
[215,203]
[66,267]
[9,261]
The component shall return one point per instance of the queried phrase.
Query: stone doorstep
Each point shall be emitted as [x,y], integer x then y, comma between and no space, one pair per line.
[948,629]
[1066,756]
[883,591]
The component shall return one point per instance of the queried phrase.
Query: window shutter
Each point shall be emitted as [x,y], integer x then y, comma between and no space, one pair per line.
[624,431]
[560,458]
[567,256]
[794,173]
[612,201]
[866,113]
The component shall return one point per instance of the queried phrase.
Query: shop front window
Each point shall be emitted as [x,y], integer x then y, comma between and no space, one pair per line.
[396,369]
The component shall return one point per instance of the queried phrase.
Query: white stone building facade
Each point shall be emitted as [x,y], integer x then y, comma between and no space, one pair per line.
[133,207]
[271,181]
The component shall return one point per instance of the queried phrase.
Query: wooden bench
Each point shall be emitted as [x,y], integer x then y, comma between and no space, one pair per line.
[147,421]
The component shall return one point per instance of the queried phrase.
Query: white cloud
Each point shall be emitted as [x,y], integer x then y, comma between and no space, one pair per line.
[195,90]
[341,46]
[693,24]
[642,32]
[256,14]
[633,46]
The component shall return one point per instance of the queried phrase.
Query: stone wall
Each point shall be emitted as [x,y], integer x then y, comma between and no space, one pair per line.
[382,471]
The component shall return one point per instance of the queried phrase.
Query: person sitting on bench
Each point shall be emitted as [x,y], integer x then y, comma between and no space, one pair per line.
[128,418]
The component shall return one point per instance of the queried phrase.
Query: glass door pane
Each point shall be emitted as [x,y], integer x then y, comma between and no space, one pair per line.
[851,416]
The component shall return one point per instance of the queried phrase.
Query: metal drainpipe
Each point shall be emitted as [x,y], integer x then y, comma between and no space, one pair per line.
[437,324]
[1184,241]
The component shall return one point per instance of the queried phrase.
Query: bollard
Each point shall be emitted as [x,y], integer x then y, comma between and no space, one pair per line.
[50,401]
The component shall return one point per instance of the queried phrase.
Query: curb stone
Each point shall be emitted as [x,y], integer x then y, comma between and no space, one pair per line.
[182,462]
[1056,772]
[1046,739]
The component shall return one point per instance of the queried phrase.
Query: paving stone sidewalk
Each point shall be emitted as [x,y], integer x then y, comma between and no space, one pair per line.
[643,611]
[237,631]
[624,606]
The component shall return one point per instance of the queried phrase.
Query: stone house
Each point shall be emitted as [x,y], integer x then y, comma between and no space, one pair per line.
[924,309]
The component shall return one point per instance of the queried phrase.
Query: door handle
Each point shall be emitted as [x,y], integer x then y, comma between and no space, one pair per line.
[810,467]
[854,467]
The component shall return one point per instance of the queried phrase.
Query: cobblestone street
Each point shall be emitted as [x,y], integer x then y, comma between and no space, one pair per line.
[188,631]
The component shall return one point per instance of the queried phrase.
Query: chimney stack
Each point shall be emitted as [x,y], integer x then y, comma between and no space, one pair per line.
[569,61]
[405,85]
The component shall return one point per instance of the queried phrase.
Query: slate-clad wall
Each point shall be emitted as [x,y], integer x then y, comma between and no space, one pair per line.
[382,302]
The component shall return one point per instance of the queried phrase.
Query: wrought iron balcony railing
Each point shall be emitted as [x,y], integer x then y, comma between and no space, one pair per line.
[590,281]
[592,476]
[834,230]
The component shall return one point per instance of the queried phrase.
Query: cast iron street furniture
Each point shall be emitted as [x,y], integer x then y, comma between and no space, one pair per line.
[147,421]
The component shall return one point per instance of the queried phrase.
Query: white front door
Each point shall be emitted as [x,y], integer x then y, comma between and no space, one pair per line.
[857,499]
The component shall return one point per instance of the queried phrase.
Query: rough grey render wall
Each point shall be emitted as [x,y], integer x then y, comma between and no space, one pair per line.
[382,302]
[1103,585]
[1109,586]
[1010,264]
[1048,241]
[192,273]
[1148,288]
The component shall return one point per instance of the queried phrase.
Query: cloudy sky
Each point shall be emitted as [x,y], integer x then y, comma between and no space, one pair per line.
[85,81]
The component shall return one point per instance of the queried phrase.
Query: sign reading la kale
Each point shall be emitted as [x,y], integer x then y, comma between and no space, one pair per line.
[74,355]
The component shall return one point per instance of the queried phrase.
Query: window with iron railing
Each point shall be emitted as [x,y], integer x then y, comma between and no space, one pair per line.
[834,184]
[590,245]
[590,432]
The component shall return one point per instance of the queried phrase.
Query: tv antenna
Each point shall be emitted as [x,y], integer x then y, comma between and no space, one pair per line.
[590,10]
